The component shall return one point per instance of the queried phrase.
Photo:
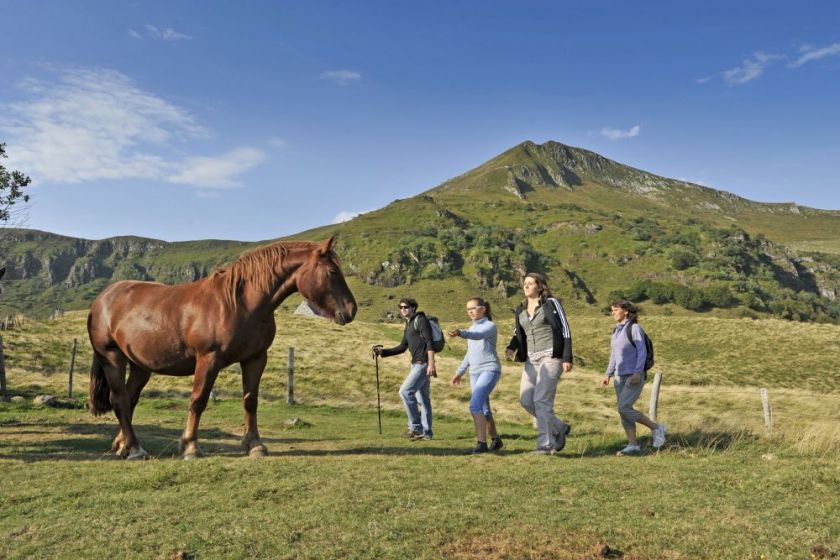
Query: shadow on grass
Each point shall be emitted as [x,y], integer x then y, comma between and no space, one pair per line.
[370,450]
[158,441]
[676,442]
[91,442]
[710,441]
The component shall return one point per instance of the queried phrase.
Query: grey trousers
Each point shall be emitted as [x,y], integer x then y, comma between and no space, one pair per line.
[537,390]
[627,395]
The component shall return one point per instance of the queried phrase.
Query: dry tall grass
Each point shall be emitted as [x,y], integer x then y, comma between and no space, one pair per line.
[713,369]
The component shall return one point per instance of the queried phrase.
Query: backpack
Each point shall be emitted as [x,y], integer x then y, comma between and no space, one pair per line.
[438,341]
[648,344]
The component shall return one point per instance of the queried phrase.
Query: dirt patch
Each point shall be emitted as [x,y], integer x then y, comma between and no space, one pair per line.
[526,546]
[820,551]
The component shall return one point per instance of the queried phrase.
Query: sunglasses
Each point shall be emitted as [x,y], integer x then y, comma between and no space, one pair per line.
[404,307]
[474,308]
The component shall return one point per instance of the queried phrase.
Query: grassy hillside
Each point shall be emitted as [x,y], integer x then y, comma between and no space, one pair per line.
[600,229]
[332,487]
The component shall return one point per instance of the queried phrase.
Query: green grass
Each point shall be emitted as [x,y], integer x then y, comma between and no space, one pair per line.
[337,489]
[721,488]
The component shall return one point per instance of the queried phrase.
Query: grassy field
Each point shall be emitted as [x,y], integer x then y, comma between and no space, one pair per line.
[334,488]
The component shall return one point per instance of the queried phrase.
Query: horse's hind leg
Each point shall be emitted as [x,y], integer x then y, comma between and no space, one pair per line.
[114,369]
[206,370]
[137,379]
[252,371]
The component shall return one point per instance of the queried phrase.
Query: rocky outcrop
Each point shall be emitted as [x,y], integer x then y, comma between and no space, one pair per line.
[59,260]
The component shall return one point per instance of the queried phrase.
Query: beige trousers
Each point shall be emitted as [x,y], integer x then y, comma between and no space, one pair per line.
[537,390]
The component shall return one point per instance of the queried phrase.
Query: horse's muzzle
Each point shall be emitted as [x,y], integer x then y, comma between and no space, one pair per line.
[344,317]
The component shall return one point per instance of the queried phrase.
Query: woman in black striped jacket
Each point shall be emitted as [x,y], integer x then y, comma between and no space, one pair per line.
[542,339]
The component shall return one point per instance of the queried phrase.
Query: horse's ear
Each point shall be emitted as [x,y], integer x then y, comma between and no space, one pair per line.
[327,245]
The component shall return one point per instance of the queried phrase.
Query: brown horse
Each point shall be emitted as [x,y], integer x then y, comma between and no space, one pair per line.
[202,327]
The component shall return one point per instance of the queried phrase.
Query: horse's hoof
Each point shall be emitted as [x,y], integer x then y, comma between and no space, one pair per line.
[193,452]
[258,451]
[122,451]
[138,455]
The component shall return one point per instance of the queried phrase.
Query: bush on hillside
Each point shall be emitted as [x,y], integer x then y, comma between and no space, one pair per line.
[680,259]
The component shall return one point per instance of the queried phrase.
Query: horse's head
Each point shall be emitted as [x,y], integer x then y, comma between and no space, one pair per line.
[321,282]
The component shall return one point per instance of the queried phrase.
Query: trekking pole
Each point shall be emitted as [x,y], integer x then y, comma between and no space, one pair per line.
[378,405]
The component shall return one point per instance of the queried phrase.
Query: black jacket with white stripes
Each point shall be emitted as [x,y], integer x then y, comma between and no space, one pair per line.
[556,315]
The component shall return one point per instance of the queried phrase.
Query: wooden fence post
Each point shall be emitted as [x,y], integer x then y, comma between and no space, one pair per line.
[290,395]
[768,413]
[70,376]
[3,394]
[654,396]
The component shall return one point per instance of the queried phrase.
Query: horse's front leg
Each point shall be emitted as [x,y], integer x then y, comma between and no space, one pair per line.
[206,370]
[252,370]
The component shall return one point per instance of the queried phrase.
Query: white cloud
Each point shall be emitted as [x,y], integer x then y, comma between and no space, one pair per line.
[346,215]
[750,69]
[219,171]
[134,34]
[95,124]
[277,142]
[810,54]
[616,134]
[165,34]
[341,77]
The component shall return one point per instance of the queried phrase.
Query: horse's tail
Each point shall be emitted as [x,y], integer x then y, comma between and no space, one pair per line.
[99,394]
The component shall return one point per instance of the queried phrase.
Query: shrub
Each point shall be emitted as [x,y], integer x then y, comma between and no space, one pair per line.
[659,293]
[680,260]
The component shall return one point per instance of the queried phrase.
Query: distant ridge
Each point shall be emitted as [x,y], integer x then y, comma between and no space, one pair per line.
[597,227]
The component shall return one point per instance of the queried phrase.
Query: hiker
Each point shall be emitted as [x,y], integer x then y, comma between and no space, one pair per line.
[541,339]
[627,360]
[417,338]
[485,370]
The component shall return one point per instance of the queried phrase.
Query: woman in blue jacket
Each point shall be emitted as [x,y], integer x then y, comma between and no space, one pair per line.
[627,364]
[485,370]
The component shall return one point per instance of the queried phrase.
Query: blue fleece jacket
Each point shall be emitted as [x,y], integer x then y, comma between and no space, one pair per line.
[624,359]
[481,347]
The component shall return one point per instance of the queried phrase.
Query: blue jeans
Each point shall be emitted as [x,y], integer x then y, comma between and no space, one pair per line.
[482,384]
[416,387]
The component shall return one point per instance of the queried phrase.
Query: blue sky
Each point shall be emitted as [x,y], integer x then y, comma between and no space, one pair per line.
[256,119]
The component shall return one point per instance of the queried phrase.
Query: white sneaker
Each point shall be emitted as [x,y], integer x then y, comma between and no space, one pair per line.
[630,450]
[659,436]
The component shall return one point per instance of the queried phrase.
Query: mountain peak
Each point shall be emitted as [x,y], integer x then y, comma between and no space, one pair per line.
[529,168]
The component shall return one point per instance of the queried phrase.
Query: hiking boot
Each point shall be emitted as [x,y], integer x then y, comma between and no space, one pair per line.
[496,444]
[630,450]
[659,436]
[420,437]
[410,434]
[560,438]
[480,447]
[544,450]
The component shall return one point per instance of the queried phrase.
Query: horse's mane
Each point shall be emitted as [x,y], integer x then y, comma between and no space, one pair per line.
[259,266]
